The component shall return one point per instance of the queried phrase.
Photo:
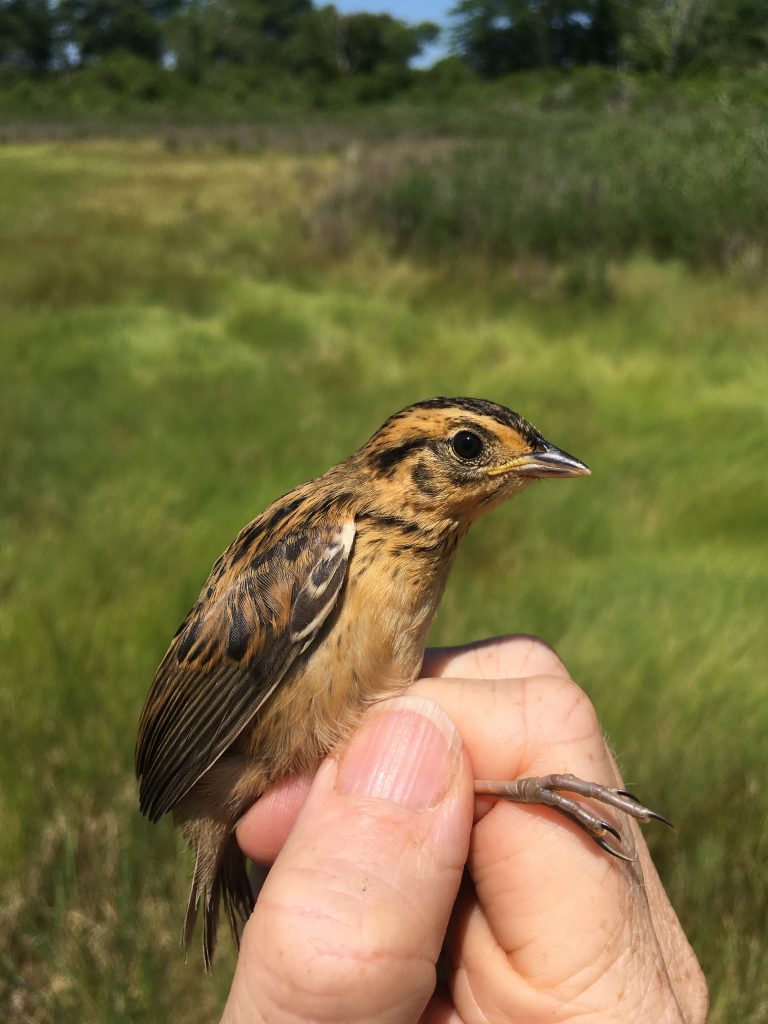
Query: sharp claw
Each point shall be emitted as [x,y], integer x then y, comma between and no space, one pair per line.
[612,849]
[648,814]
[609,828]
[660,817]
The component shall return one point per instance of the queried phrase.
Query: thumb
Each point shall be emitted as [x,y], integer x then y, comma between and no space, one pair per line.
[349,924]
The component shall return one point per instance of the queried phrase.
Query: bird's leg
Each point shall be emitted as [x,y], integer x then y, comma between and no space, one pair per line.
[548,790]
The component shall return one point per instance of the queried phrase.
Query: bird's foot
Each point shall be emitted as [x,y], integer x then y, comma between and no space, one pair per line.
[548,790]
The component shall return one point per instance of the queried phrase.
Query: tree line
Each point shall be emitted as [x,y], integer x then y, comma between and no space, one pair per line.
[271,39]
[497,37]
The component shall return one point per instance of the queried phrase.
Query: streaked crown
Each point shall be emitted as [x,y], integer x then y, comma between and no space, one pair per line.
[462,455]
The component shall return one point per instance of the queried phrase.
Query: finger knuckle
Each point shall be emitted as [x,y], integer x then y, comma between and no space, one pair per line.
[535,655]
[564,712]
[321,971]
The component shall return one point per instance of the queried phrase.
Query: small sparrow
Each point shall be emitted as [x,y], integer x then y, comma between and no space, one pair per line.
[321,605]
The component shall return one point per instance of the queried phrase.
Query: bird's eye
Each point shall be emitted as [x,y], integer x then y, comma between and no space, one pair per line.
[466,444]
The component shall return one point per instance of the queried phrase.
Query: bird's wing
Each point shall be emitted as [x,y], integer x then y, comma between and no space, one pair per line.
[230,655]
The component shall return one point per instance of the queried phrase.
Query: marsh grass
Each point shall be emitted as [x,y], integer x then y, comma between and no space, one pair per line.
[580,189]
[573,170]
[177,351]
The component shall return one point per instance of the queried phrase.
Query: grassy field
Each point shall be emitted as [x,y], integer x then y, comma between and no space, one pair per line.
[177,349]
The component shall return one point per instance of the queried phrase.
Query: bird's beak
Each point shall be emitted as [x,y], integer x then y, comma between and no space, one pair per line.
[544,460]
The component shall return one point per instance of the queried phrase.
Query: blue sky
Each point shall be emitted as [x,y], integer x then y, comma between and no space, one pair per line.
[408,10]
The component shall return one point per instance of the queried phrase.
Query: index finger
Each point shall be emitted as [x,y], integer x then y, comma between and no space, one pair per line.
[516,656]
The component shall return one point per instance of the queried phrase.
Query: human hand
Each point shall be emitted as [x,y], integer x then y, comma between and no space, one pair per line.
[545,926]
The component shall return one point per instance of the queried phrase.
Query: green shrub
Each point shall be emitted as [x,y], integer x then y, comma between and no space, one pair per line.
[555,184]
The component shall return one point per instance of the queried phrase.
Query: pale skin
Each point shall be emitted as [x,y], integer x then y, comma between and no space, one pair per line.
[368,884]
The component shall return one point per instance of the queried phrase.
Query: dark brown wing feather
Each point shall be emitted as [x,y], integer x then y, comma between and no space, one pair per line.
[230,655]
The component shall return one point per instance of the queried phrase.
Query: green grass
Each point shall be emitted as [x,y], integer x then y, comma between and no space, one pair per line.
[576,187]
[177,350]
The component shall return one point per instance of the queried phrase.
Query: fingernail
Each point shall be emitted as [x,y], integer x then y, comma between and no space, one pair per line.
[406,751]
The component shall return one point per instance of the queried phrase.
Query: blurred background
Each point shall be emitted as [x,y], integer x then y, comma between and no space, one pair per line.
[237,235]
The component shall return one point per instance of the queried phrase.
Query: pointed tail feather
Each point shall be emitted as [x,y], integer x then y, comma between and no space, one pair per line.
[219,873]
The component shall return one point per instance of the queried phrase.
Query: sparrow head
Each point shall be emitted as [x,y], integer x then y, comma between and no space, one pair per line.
[459,457]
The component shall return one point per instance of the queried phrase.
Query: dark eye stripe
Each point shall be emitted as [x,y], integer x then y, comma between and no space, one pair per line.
[386,460]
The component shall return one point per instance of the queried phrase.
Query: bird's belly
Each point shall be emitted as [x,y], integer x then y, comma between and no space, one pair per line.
[373,650]
[316,707]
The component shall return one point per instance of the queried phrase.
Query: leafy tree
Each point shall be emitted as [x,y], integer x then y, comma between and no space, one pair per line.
[314,49]
[499,36]
[368,41]
[29,34]
[292,37]
[607,19]
[95,28]
[669,35]
[189,37]
[244,33]
[496,37]
[661,32]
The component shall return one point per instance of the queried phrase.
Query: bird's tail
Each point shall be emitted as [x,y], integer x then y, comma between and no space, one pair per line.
[219,874]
